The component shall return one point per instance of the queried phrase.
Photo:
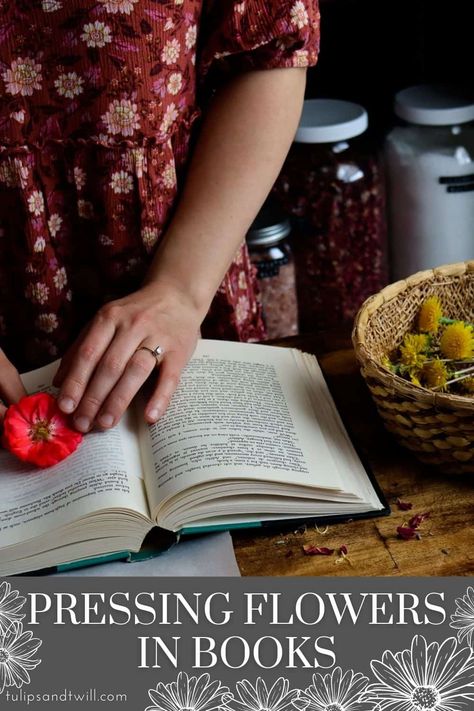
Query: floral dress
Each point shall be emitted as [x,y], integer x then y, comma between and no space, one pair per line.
[99,105]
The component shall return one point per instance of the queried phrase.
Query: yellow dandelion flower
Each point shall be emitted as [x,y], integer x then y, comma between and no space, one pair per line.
[429,315]
[386,363]
[434,374]
[457,341]
[413,350]
[468,385]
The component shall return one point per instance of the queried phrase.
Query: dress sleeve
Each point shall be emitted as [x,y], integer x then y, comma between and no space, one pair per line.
[258,34]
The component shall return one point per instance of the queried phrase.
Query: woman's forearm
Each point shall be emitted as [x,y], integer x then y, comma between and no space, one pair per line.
[242,145]
[243,142]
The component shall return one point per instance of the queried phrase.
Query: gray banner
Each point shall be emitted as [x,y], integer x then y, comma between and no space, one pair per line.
[321,644]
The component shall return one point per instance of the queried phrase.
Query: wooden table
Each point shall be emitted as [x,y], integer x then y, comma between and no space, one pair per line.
[446,546]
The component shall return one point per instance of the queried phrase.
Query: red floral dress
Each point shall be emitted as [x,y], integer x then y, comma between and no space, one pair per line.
[99,102]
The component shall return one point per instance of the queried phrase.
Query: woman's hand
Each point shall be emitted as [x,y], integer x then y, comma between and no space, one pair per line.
[105,367]
[11,387]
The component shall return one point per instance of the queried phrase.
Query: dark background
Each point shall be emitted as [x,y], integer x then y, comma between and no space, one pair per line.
[372,48]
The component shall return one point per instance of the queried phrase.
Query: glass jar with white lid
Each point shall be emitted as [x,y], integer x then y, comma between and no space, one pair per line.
[430,174]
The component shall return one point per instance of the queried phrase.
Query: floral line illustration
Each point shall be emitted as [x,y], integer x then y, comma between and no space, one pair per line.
[429,676]
[17,647]
[11,602]
[463,618]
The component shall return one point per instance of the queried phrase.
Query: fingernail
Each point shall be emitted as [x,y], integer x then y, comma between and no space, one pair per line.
[66,404]
[106,420]
[82,423]
[153,414]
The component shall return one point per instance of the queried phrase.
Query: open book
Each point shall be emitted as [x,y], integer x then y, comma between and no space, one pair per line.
[252,435]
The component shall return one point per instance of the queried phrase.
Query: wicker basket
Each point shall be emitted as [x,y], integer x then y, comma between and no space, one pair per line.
[437,427]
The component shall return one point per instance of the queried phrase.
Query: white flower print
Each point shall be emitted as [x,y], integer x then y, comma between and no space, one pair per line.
[138,161]
[242,281]
[79,178]
[299,15]
[51,5]
[22,171]
[259,697]
[85,209]
[337,692]
[150,237]
[60,279]
[23,77]
[96,34]
[169,24]
[40,244]
[189,694]
[178,2]
[18,116]
[170,116]
[170,52]
[463,618]
[36,203]
[300,58]
[54,223]
[121,182]
[115,6]
[175,82]
[426,677]
[242,309]
[69,85]
[105,240]
[191,36]
[169,176]
[47,322]
[17,656]
[11,602]
[121,117]
[240,7]
[38,292]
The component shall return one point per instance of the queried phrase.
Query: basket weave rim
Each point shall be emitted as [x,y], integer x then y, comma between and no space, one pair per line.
[394,383]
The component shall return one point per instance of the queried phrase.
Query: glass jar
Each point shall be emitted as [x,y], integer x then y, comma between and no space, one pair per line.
[332,185]
[270,252]
[430,171]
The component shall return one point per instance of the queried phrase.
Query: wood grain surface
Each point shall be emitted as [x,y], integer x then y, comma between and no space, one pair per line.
[446,546]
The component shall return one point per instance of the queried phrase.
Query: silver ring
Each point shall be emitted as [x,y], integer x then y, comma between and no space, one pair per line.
[157,352]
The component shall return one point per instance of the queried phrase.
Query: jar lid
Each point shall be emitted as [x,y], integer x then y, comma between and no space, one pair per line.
[330,120]
[434,105]
[269,227]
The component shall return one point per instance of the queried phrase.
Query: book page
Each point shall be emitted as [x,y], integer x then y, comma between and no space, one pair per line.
[241,411]
[105,472]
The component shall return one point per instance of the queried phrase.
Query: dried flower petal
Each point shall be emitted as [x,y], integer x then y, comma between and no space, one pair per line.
[407,533]
[417,520]
[317,550]
[404,505]
[343,550]
[36,431]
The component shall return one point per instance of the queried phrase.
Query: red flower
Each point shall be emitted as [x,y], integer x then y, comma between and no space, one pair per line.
[317,550]
[35,430]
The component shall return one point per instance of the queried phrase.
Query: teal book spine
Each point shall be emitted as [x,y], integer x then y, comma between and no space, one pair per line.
[96,560]
[219,527]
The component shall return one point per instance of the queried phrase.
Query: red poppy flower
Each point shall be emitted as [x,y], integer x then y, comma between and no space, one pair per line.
[35,430]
